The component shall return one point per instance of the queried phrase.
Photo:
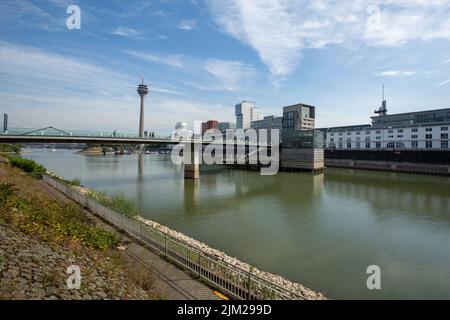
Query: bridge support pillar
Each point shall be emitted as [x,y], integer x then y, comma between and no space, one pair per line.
[191,154]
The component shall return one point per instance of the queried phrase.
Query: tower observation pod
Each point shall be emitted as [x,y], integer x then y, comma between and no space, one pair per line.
[142,90]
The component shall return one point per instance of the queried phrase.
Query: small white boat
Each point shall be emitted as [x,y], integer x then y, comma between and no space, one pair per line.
[52,150]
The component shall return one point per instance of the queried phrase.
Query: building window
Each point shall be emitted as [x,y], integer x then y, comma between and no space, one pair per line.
[429,136]
[340,145]
[400,145]
[400,131]
[444,129]
[332,134]
[444,135]
[444,144]
[367,145]
[358,145]
[391,137]
[415,136]
[358,133]
[400,136]
[415,144]
[378,145]
[391,145]
[415,130]
[378,132]
[349,133]
[349,145]
[367,132]
[340,134]
[429,144]
[331,139]
[378,138]
[429,130]
[391,131]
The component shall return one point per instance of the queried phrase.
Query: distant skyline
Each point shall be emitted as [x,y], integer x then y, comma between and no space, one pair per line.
[200,58]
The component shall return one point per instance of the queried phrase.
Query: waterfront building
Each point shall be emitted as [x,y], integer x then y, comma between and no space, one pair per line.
[413,130]
[181,131]
[299,117]
[269,122]
[209,125]
[224,126]
[245,113]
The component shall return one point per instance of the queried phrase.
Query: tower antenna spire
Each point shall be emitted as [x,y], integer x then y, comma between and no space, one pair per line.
[142,77]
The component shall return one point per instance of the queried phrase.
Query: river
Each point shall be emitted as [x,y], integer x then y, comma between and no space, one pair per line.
[319,230]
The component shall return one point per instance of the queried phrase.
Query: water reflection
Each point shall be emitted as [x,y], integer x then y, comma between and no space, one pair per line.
[321,230]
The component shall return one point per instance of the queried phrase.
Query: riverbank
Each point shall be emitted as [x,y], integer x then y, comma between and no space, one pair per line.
[213,266]
[41,236]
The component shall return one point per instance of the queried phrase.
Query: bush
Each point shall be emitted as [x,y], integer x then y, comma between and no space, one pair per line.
[28,166]
[9,148]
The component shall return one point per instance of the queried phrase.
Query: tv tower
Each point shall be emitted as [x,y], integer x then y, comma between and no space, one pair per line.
[142,91]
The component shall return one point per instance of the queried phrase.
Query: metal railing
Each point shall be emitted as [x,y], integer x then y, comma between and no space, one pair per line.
[229,278]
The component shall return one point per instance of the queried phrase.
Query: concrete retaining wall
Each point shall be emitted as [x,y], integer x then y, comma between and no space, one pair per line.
[406,167]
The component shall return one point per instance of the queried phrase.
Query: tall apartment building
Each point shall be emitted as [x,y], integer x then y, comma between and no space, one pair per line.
[246,113]
[299,117]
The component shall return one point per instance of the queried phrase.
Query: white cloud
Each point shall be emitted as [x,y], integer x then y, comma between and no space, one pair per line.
[171,60]
[46,88]
[127,32]
[279,30]
[188,24]
[444,83]
[230,74]
[395,73]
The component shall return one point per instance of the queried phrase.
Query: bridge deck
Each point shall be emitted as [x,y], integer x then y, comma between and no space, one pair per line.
[112,140]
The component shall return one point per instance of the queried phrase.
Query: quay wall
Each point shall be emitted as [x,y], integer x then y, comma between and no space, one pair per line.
[406,161]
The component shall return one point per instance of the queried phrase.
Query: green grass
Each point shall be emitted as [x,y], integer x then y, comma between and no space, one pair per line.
[50,220]
[117,201]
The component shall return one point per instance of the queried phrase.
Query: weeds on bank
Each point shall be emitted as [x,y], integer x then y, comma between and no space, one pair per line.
[50,220]
[117,201]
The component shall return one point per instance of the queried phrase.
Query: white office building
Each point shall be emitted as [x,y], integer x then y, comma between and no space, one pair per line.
[181,131]
[246,113]
[413,130]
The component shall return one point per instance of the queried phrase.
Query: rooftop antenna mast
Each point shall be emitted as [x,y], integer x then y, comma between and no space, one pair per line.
[382,111]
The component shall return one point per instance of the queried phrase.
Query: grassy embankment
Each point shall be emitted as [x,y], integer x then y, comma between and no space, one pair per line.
[48,219]
[26,207]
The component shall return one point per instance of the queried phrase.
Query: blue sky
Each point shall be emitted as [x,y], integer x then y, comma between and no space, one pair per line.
[202,57]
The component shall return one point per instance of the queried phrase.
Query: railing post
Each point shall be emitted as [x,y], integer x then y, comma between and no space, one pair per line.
[249,286]
[165,245]
[199,263]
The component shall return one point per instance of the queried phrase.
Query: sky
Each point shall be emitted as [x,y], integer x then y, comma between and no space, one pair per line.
[201,57]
